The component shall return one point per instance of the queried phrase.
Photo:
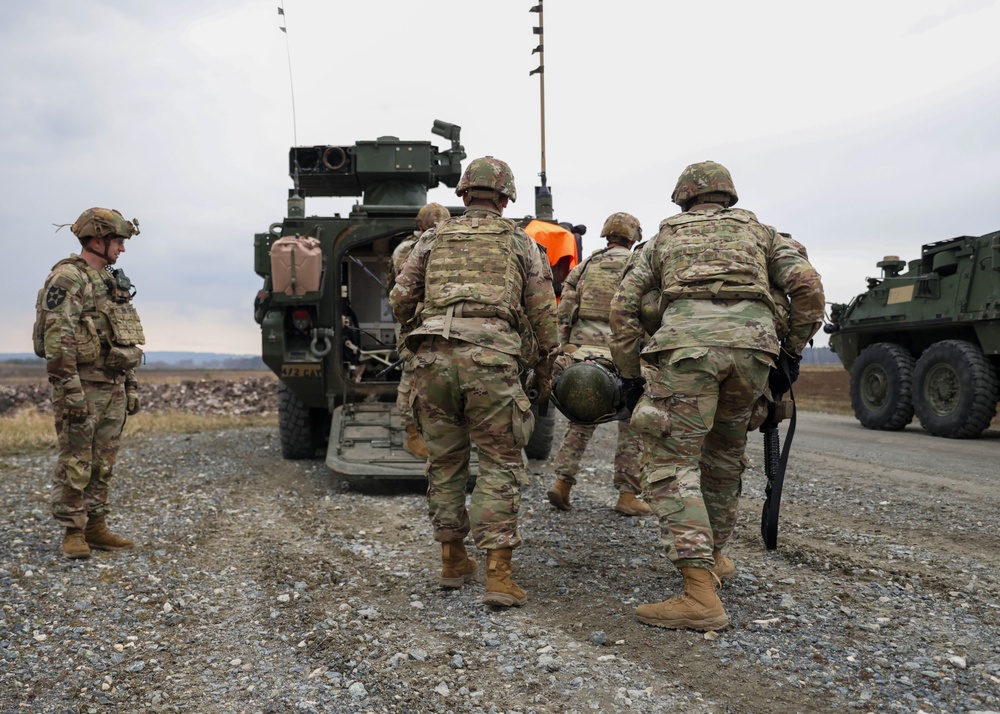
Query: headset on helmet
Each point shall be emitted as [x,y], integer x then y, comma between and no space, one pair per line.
[429,216]
[703,178]
[590,392]
[487,174]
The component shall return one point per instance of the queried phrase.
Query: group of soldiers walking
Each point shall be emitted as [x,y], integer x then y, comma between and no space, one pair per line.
[690,321]
[694,321]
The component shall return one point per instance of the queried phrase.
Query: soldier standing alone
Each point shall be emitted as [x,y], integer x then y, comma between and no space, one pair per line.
[584,332]
[427,217]
[715,348]
[486,315]
[89,334]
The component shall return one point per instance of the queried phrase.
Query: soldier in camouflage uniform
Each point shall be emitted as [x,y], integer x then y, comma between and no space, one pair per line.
[584,332]
[89,334]
[477,310]
[714,350]
[427,217]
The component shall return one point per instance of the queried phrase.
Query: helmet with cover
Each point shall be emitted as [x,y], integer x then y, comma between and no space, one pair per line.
[429,216]
[703,179]
[623,226]
[484,176]
[103,223]
[589,392]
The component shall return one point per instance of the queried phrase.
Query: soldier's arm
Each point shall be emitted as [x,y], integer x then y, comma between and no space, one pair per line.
[540,301]
[569,301]
[627,334]
[796,277]
[408,291]
[64,308]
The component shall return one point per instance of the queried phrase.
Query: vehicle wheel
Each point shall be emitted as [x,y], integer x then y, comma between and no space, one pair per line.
[880,387]
[540,444]
[956,392]
[295,425]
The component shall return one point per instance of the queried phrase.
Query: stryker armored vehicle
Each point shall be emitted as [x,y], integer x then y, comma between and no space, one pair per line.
[927,340]
[326,326]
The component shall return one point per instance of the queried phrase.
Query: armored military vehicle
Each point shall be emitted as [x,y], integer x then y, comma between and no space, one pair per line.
[927,340]
[326,326]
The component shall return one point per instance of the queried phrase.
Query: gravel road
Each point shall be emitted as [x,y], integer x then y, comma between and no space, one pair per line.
[263,585]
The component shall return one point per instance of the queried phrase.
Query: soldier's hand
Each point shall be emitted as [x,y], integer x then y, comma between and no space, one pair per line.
[632,391]
[784,375]
[543,390]
[131,400]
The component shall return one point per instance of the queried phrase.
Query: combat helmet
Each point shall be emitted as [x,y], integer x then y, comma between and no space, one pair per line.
[487,174]
[622,225]
[706,177]
[589,392]
[429,216]
[103,222]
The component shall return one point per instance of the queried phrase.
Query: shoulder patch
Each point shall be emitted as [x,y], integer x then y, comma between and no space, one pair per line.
[54,297]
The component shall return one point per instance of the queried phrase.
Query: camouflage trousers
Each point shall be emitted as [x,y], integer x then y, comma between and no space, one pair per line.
[693,422]
[87,454]
[403,394]
[463,393]
[627,453]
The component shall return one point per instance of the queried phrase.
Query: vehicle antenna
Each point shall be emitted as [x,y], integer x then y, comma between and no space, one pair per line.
[543,195]
[291,86]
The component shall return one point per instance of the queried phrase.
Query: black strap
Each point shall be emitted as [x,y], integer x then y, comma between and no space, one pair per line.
[774,468]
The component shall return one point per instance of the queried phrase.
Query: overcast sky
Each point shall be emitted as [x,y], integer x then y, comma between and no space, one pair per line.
[864,128]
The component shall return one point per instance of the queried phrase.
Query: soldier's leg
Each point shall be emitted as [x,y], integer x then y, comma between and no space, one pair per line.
[72,472]
[723,457]
[108,407]
[626,480]
[674,417]
[439,411]
[413,441]
[570,453]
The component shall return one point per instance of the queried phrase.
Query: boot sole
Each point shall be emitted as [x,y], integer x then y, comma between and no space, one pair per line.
[76,556]
[716,623]
[503,600]
[630,512]
[456,582]
[111,547]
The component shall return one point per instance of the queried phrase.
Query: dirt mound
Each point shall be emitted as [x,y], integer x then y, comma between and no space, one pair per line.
[247,395]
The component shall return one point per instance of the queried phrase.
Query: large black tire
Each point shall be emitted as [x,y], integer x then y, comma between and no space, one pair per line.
[300,427]
[956,389]
[540,445]
[880,387]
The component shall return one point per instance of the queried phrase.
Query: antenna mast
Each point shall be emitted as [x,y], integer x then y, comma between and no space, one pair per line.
[296,204]
[543,196]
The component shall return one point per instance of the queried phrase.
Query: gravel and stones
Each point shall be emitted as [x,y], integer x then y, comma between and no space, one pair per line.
[265,585]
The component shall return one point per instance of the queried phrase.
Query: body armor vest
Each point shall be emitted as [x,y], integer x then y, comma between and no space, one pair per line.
[714,255]
[473,271]
[600,280]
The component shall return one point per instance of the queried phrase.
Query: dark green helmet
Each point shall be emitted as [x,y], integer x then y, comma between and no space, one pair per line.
[589,392]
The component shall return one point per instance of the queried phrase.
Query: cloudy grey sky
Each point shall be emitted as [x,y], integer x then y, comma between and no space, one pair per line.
[864,128]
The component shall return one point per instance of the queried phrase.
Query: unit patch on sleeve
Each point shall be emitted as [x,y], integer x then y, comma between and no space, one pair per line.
[54,297]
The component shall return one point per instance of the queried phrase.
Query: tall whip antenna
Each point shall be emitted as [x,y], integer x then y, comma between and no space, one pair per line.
[288,51]
[543,196]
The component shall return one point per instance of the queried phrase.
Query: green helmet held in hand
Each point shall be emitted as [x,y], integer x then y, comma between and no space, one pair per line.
[703,180]
[103,222]
[589,392]
[486,175]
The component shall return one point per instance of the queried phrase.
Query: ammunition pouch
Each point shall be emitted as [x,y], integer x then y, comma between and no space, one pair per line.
[121,358]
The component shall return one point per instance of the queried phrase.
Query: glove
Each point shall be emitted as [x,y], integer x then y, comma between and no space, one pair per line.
[778,380]
[541,384]
[131,399]
[632,391]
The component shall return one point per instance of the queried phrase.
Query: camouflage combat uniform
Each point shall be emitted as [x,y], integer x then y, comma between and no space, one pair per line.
[399,256]
[714,350]
[487,315]
[88,332]
[584,332]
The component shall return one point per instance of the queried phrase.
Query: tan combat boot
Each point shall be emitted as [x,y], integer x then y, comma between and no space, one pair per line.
[98,536]
[630,505]
[74,545]
[501,590]
[457,568]
[697,608]
[559,494]
[724,567]
[415,443]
